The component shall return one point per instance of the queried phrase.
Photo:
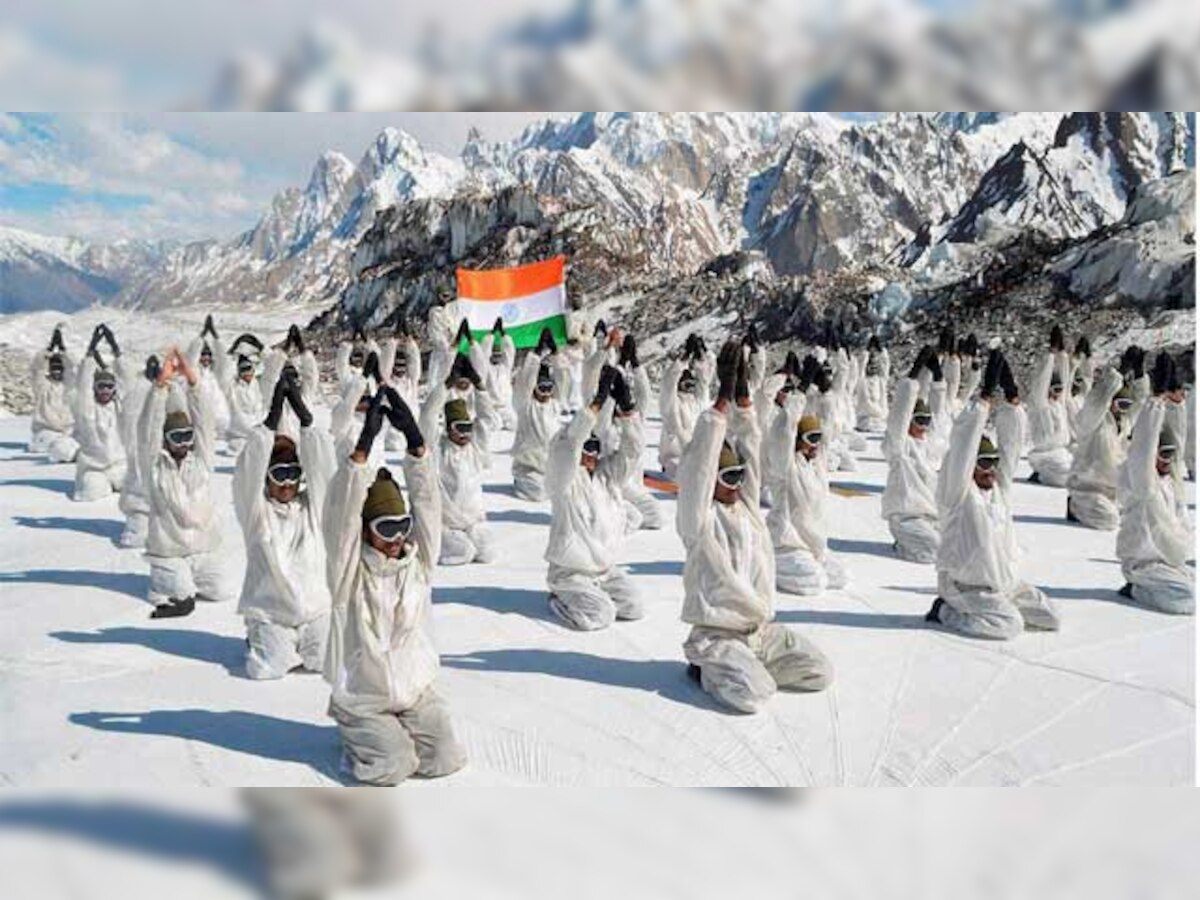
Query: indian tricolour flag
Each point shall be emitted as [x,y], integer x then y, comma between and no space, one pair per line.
[528,298]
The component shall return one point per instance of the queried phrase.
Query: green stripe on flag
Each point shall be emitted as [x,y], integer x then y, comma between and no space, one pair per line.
[526,336]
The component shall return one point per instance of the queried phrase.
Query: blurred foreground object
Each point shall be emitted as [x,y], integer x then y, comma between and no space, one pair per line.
[607,54]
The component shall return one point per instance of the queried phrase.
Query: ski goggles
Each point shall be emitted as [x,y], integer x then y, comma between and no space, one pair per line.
[206,358]
[462,428]
[986,463]
[1122,403]
[399,368]
[497,358]
[357,358]
[812,438]
[591,447]
[284,474]
[545,387]
[687,385]
[244,367]
[181,437]
[789,387]
[55,374]
[732,476]
[391,528]
[1056,390]
[922,420]
[1166,454]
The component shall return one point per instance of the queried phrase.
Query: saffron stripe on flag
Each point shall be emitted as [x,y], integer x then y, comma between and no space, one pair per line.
[492,285]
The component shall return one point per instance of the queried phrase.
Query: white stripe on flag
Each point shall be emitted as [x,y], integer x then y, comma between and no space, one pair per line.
[481,314]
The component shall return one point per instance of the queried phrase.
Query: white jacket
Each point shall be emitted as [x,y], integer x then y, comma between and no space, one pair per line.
[212,379]
[679,412]
[285,547]
[498,377]
[729,572]
[246,406]
[979,542]
[407,386]
[52,400]
[1154,528]
[1049,424]
[459,469]
[97,427]
[346,424]
[798,486]
[587,524]
[183,517]
[912,467]
[134,387]
[536,422]
[871,400]
[1101,441]
[380,656]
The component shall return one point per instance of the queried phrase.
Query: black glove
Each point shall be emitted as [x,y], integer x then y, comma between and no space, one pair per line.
[294,339]
[991,374]
[629,352]
[791,364]
[95,354]
[498,326]
[370,368]
[402,419]
[97,333]
[752,338]
[111,340]
[463,334]
[372,424]
[689,347]
[277,400]
[727,370]
[741,386]
[934,366]
[401,325]
[1185,367]
[621,393]
[469,372]
[1083,347]
[600,329]
[1162,375]
[56,340]
[972,345]
[921,362]
[946,341]
[808,373]
[873,345]
[701,346]
[821,379]
[604,389]
[546,343]
[295,395]
[1008,383]
[209,327]
[1057,341]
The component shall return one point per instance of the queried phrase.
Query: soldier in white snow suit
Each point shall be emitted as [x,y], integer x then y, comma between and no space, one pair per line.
[381,662]
[100,462]
[538,404]
[279,491]
[740,656]
[52,375]
[585,482]
[980,590]
[910,496]
[1049,423]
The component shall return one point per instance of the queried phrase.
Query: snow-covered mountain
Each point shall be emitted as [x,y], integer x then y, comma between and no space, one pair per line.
[66,274]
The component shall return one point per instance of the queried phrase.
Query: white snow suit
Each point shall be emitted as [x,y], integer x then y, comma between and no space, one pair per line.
[100,462]
[910,496]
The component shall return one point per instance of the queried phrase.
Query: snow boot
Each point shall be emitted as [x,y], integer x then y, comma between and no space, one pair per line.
[693,671]
[1070,515]
[1126,591]
[1035,478]
[174,608]
[935,612]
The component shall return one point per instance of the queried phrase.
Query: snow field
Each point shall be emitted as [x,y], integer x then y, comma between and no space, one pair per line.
[92,692]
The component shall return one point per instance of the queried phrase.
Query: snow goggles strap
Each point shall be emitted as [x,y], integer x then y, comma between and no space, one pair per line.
[732,476]
[285,473]
[391,528]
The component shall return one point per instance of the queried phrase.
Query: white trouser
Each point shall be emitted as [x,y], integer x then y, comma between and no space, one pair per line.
[797,571]
[917,537]
[1052,466]
[462,547]
[1162,587]
[58,446]
[386,748]
[646,504]
[199,575]
[96,484]
[529,484]
[1095,509]
[743,671]
[984,613]
[590,602]
[137,527]
[274,650]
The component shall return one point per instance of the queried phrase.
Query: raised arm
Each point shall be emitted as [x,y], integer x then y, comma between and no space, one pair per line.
[509,349]
[1010,435]
[566,447]
[697,474]
[1039,390]
[150,427]
[900,414]
[1098,401]
[425,503]
[412,356]
[431,411]
[249,479]
[341,363]
[1143,448]
[524,381]
[316,452]
[959,462]
[387,357]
